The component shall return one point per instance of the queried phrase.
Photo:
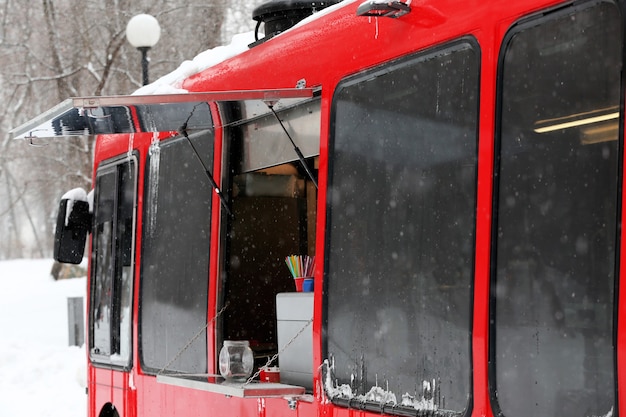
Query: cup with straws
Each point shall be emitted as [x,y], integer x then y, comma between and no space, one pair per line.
[301,268]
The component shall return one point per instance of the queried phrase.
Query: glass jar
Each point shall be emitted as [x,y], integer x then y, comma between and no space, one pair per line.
[236,360]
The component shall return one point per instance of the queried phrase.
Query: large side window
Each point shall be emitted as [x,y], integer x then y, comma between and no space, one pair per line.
[556,215]
[400,236]
[175,255]
[112,264]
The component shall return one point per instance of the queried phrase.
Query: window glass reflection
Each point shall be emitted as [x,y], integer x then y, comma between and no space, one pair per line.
[111,294]
[401,233]
[175,256]
[556,216]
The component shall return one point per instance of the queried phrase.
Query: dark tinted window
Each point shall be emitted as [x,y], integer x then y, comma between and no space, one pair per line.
[554,278]
[111,285]
[175,256]
[401,233]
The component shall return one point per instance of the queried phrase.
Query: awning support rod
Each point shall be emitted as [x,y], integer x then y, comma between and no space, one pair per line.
[183,131]
[270,105]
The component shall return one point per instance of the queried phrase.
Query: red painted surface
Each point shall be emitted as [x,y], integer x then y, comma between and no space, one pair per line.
[323,52]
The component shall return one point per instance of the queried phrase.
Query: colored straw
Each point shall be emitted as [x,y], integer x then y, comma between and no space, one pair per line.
[300,265]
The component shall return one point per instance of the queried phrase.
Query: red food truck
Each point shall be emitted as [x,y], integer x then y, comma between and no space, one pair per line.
[454,168]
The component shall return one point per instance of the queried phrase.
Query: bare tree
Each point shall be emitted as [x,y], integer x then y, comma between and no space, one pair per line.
[55,49]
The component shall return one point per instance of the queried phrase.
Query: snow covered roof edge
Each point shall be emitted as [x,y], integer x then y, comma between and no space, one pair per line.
[171,83]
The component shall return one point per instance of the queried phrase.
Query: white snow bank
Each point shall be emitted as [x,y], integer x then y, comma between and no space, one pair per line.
[40,374]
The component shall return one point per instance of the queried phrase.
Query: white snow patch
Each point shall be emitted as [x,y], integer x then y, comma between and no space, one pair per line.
[40,374]
[380,396]
[76,194]
[171,83]
[376,394]
[325,11]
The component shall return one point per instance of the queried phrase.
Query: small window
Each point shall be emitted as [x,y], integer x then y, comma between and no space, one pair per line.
[112,264]
[556,215]
[175,255]
[400,235]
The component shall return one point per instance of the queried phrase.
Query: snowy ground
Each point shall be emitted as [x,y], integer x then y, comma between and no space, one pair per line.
[40,374]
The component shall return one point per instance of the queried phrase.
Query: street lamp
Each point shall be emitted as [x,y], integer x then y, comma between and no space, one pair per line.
[143,32]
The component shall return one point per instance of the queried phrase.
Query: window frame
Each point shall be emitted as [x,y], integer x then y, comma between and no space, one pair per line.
[470,43]
[149,223]
[115,166]
[248,151]
[527,22]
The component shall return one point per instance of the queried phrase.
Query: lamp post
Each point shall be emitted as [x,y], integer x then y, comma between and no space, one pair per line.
[143,32]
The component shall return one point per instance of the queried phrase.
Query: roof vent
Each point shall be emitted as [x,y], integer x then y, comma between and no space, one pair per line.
[280,15]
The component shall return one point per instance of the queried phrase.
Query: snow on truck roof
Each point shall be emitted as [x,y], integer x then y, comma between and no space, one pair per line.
[171,83]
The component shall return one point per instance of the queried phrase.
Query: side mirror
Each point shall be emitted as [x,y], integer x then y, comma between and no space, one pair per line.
[73,224]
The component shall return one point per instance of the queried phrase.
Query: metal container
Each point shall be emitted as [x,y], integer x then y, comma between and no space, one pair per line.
[294,311]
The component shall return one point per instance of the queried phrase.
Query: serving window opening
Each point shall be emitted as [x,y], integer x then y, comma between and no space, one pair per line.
[272,199]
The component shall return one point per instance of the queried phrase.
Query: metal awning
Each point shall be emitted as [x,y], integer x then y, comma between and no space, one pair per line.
[83,116]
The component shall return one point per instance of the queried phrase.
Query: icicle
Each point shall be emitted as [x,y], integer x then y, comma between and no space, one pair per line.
[129,155]
[153,183]
[131,145]
[376,21]
[155,138]
[369,20]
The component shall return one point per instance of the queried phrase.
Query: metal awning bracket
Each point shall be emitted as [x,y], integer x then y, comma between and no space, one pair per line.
[270,103]
[32,138]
